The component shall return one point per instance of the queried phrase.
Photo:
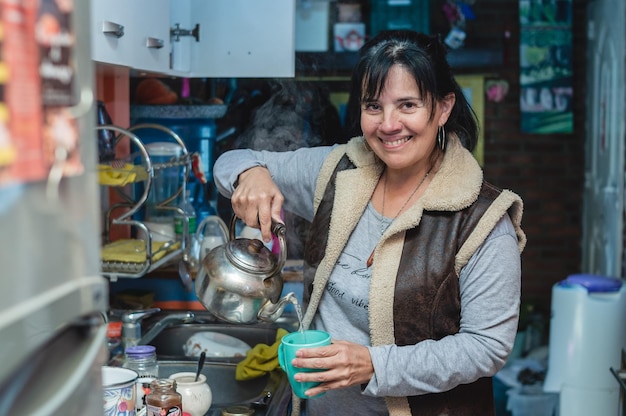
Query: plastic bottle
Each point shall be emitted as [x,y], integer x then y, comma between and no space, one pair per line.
[142,359]
[201,204]
[214,233]
[114,338]
[179,219]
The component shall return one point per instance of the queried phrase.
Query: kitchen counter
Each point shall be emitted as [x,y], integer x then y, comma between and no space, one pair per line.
[268,395]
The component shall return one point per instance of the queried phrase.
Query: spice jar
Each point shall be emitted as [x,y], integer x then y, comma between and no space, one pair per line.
[164,399]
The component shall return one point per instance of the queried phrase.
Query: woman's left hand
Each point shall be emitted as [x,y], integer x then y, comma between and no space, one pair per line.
[346,364]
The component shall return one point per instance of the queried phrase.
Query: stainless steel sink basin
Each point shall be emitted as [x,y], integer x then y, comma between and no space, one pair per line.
[268,395]
[170,342]
[265,394]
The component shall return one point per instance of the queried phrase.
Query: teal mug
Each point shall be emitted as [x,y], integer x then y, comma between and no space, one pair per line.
[291,343]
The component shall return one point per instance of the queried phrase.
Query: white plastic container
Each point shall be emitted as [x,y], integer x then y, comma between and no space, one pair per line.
[587,334]
[166,182]
[523,404]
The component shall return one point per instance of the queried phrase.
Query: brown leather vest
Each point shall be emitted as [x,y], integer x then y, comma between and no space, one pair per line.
[427,302]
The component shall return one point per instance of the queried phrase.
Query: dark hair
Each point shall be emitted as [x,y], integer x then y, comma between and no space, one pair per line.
[422,55]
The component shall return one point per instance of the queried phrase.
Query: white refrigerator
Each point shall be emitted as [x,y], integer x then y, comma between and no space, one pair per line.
[53,299]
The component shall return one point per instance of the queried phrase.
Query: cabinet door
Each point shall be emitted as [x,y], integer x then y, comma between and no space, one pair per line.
[235,38]
[181,45]
[133,33]
[243,38]
[150,35]
[111,41]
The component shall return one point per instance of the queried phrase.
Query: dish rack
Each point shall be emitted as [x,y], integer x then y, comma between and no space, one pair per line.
[132,178]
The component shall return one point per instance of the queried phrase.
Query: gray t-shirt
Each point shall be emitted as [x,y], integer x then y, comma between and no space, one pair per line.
[489,284]
[344,310]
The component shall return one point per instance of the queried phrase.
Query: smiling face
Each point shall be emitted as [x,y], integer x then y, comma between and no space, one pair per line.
[400,126]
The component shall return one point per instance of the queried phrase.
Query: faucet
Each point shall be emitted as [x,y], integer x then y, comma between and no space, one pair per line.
[160,325]
[131,327]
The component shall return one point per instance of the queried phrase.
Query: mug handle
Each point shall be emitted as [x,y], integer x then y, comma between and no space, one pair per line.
[281,357]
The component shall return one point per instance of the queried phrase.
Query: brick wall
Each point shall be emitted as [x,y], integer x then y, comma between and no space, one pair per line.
[545,170]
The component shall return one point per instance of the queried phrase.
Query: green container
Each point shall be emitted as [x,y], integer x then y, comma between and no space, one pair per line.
[399,14]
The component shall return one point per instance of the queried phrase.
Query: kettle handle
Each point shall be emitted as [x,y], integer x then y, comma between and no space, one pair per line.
[231,229]
[278,229]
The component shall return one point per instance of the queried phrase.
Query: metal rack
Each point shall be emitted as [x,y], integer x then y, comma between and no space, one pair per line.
[124,212]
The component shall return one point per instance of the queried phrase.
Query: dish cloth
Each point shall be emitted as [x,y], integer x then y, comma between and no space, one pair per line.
[260,360]
[134,251]
[110,176]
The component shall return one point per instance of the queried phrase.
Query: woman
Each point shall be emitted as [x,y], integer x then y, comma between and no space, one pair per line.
[413,261]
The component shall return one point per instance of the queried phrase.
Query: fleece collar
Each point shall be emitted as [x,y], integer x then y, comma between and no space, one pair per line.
[454,186]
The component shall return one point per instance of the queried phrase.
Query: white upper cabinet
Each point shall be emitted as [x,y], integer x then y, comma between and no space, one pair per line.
[132,33]
[241,38]
[197,38]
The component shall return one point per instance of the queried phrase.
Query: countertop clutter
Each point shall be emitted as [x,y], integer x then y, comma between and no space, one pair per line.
[260,392]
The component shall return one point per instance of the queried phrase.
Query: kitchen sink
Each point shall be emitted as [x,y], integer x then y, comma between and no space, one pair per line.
[170,341]
[268,395]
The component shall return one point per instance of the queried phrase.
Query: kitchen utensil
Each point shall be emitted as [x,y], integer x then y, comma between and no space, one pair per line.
[241,281]
[200,364]
[184,271]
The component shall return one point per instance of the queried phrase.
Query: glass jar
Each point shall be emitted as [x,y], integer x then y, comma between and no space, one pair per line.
[237,411]
[142,359]
[164,399]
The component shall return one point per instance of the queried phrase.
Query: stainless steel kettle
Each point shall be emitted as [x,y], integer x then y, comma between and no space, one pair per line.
[241,281]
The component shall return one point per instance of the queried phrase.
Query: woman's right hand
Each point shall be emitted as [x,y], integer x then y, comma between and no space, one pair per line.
[257,200]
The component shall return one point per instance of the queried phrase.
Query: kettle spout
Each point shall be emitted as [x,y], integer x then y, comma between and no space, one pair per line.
[270,312]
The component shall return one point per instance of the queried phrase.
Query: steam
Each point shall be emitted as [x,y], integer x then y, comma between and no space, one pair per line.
[293,117]
[297,114]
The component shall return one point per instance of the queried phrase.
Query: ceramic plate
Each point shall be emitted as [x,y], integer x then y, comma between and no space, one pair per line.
[215,344]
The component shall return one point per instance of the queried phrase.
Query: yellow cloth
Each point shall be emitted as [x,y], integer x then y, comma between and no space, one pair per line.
[133,251]
[8,155]
[110,176]
[261,359]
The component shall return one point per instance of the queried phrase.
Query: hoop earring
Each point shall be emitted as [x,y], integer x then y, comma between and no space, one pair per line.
[441,138]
